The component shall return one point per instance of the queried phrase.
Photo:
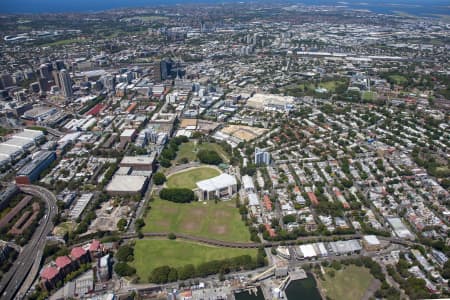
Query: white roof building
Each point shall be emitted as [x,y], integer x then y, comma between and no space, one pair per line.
[221,186]
[247,182]
[125,184]
[217,183]
[29,134]
[308,251]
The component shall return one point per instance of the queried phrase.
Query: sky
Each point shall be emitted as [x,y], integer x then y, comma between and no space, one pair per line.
[42,6]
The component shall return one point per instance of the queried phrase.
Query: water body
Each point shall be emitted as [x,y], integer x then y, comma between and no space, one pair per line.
[413,7]
[303,289]
[247,296]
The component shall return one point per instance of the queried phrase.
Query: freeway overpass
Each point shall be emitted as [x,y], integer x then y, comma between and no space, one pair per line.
[27,265]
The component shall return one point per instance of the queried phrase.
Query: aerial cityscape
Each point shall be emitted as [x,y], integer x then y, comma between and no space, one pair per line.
[225,150]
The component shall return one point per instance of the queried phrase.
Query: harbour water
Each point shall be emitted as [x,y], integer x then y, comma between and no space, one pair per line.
[304,289]
[248,296]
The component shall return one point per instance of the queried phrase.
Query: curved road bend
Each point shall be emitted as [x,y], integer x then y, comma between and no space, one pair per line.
[26,266]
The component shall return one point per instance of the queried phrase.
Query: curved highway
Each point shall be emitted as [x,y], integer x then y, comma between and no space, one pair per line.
[26,266]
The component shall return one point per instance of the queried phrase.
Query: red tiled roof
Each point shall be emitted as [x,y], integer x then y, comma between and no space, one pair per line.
[270,230]
[62,261]
[267,202]
[49,273]
[313,198]
[77,252]
[95,110]
[95,245]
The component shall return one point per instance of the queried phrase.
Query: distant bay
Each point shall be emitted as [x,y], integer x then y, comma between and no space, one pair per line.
[410,7]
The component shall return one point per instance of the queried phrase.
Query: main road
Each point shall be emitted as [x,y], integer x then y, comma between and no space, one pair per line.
[25,268]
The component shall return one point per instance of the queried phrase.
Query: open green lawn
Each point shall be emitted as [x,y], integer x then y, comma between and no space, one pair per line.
[220,221]
[189,151]
[369,96]
[329,85]
[153,253]
[61,43]
[349,283]
[187,179]
[215,147]
[398,79]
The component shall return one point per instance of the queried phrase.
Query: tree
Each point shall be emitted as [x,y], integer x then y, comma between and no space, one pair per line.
[159,178]
[179,195]
[209,157]
[139,223]
[188,271]
[122,224]
[125,253]
[123,269]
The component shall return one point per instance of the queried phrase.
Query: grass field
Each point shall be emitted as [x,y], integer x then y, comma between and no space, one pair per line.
[329,85]
[60,43]
[369,96]
[187,179]
[349,283]
[220,220]
[189,151]
[64,227]
[398,79]
[153,253]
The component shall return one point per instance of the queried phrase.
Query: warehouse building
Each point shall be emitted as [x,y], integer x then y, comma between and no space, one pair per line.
[222,186]
[10,153]
[345,247]
[371,243]
[128,135]
[399,228]
[30,134]
[122,185]
[80,205]
[22,144]
[140,163]
[31,171]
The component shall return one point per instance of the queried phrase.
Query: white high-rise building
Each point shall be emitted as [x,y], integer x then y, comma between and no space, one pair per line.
[66,83]
[261,157]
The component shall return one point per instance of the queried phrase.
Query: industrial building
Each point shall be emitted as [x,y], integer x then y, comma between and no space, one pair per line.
[31,171]
[30,134]
[345,247]
[399,228]
[128,135]
[80,205]
[221,186]
[163,122]
[127,185]
[371,243]
[271,102]
[140,163]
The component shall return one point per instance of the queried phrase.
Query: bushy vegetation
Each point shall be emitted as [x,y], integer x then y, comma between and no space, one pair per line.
[170,151]
[124,255]
[179,195]
[159,178]
[209,157]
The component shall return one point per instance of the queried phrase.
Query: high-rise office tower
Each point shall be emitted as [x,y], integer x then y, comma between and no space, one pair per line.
[66,83]
[60,65]
[44,71]
[7,80]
